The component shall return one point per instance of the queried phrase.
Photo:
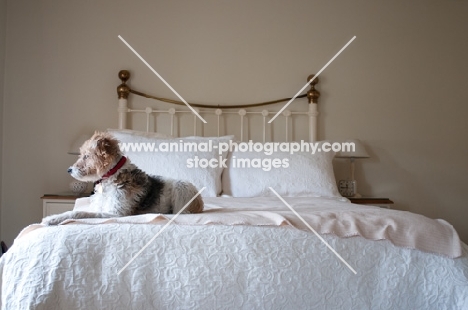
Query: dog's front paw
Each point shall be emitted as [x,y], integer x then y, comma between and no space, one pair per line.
[57,218]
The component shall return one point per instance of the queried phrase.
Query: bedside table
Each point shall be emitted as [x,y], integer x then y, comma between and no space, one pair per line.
[379,202]
[55,204]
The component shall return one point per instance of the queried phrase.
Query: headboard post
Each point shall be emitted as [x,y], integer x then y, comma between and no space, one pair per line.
[312,96]
[123,91]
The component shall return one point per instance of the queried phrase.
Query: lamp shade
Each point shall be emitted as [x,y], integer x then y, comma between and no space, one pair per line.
[359,150]
[75,148]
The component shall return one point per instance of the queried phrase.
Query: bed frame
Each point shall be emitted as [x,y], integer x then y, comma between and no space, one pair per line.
[243,110]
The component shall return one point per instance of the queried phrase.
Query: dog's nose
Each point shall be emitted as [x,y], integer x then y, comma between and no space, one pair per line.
[70,170]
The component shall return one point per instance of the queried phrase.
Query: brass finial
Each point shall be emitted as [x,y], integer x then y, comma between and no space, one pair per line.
[313,94]
[123,90]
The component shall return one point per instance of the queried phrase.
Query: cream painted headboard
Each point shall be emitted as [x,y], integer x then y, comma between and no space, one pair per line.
[242,110]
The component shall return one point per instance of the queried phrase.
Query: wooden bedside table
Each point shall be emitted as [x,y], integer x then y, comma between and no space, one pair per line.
[55,204]
[379,202]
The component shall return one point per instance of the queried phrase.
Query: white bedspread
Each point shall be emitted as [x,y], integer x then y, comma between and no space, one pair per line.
[224,267]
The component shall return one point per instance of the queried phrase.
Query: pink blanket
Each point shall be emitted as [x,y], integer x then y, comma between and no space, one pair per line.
[325,215]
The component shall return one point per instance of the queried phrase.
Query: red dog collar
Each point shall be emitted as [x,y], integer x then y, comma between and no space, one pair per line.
[111,172]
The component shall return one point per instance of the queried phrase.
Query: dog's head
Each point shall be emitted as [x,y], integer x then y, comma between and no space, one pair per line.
[97,156]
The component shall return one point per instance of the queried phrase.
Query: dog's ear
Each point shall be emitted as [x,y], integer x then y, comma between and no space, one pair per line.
[106,146]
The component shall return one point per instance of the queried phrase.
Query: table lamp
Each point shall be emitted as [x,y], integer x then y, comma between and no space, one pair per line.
[78,187]
[348,188]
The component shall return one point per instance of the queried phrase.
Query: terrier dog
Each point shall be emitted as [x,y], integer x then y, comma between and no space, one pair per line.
[121,189]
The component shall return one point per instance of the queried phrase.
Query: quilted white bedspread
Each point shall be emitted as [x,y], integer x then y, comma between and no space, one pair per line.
[222,267]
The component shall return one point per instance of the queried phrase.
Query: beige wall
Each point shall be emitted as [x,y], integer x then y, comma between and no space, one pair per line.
[400,87]
[2,75]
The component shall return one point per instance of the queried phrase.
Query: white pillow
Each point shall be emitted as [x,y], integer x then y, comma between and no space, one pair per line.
[307,175]
[175,164]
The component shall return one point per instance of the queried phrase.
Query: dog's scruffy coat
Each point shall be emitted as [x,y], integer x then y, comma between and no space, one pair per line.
[121,188]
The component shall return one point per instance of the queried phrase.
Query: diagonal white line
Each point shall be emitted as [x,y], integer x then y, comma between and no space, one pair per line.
[313,230]
[161,78]
[160,231]
[308,83]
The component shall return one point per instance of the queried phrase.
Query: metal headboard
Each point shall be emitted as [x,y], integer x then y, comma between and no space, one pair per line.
[243,110]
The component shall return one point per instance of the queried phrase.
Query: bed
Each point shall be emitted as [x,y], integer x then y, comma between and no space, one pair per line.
[271,237]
